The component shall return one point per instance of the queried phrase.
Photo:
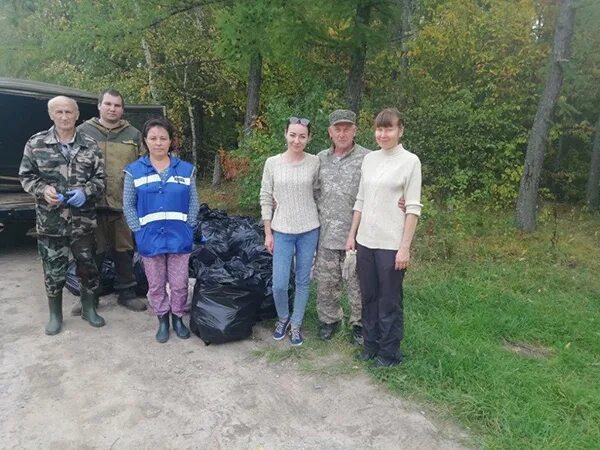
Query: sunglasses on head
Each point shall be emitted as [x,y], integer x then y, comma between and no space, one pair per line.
[298,120]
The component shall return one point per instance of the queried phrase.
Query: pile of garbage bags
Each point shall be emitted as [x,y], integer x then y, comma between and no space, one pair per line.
[233,274]
[108,276]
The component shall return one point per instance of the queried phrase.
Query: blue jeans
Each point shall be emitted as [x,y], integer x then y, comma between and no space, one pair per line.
[286,245]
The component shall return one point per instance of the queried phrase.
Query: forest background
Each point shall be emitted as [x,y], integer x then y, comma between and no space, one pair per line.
[467,74]
[519,360]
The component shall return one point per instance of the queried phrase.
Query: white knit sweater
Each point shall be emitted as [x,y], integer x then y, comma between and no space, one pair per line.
[292,186]
[387,175]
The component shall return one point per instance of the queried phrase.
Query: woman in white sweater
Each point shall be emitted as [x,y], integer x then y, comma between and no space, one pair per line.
[292,225]
[382,234]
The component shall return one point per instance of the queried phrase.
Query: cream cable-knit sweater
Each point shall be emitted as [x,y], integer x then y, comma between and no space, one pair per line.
[292,186]
[387,175]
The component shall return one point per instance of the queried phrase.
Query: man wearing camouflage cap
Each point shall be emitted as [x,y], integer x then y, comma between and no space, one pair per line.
[64,171]
[339,177]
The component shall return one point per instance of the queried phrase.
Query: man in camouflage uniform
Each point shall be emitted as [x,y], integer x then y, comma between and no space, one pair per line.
[64,171]
[339,177]
[120,144]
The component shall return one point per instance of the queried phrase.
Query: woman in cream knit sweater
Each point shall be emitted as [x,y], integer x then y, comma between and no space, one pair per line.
[383,234]
[292,225]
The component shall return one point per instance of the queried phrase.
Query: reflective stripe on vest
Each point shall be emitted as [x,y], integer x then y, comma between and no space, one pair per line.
[166,215]
[156,179]
[179,180]
[146,180]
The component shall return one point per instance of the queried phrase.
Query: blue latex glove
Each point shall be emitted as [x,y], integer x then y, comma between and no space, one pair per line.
[77,197]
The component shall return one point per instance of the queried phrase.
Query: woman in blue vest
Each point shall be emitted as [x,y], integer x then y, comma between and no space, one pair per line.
[160,203]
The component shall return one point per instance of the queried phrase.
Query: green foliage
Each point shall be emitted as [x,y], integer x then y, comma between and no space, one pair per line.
[270,141]
[470,150]
[474,75]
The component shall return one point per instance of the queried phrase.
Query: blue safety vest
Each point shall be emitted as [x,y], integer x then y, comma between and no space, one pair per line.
[162,207]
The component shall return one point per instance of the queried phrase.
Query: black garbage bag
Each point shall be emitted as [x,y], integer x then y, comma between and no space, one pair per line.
[224,312]
[230,251]
[107,278]
[244,240]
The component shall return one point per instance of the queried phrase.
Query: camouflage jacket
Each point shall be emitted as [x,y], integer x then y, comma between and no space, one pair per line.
[120,146]
[338,179]
[43,164]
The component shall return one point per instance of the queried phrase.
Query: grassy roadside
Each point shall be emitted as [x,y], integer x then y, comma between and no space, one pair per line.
[506,332]
[502,329]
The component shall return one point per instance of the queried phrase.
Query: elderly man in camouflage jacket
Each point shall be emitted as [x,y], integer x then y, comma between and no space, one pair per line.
[339,176]
[120,144]
[64,171]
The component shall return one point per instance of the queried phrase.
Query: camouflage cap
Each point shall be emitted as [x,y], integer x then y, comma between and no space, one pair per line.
[342,115]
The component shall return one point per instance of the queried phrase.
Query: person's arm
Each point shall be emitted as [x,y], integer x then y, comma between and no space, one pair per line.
[403,254]
[194,202]
[94,187]
[317,183]
[268,236]
[31,181]
[351,241]
[130,203]
[413,211]
[266,204]
[356,216]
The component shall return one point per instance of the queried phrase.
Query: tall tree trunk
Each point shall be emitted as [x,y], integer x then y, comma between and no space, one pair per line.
[253,101]
[407,7]
[191,115]
[592,196]
[356,74]
[534,158]
[192,118]
[150,69]
[148,58]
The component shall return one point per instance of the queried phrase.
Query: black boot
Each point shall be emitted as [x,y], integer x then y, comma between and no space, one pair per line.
[128,298]
[88,309]
[180,329]
[56,316]
[162,335]
[327,330]
[357,336]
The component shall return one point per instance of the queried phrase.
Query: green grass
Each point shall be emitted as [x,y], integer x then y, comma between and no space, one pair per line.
[543,290]
[477,286]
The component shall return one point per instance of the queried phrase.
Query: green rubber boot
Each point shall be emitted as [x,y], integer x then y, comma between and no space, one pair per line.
[56,317]
[88,309]
[76,309]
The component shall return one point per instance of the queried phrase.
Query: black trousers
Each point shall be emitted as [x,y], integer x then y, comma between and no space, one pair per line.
[381,293]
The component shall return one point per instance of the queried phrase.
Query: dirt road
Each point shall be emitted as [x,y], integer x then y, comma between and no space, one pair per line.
[116,388]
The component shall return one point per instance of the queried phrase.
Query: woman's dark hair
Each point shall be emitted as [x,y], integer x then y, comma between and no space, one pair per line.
[389,117]
[159,122]
[298,121]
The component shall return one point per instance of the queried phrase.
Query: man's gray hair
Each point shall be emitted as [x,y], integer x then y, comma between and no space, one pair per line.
[61,99]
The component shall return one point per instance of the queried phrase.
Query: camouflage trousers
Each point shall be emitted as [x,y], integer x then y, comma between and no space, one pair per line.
[328,275]
[54,252]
